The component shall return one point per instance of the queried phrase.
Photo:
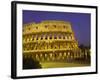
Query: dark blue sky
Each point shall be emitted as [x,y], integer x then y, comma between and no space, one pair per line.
[80,22]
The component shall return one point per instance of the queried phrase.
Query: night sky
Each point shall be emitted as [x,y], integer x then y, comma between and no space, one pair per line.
[80,22]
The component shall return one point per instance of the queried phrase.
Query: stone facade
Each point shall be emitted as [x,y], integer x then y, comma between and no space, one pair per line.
[50,41]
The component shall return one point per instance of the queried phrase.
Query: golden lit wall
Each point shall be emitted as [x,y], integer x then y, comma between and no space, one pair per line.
[49,40]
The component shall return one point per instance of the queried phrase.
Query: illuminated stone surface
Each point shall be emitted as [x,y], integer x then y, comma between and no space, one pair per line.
[50,41]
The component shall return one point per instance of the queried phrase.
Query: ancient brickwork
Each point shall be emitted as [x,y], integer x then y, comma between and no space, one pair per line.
[50,41]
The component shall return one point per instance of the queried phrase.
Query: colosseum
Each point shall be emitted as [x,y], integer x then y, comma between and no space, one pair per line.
[50,40]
